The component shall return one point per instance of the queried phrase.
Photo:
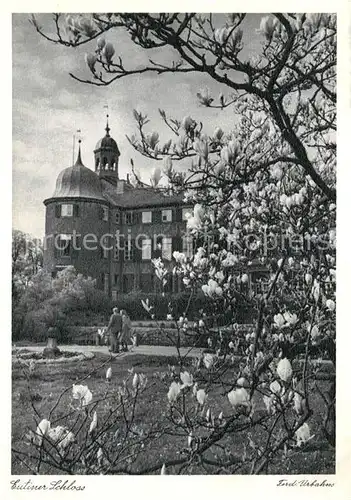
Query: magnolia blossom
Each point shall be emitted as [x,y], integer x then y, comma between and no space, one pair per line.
[238,397]
[284,370]
[190,439]
[315,332]
[179,257]
[100,42]
[201,396]
[209,415]
[276,388]
[108,374]
[187,379]
[163,470]
[43,429]
[66,439]
[279,320]
[299,403]
[270,404]
[201,146]
[308,278]
[201,323]
[291,319]
[173,392]
[195,221]
[208,360]
[303,434]
[330,304]
[242,382]
[93,424]
[91,59]
[135,382]
[188,123]
[82,393]
[231,345]
[212,288]
[316,290]
[156,176]
[108,52]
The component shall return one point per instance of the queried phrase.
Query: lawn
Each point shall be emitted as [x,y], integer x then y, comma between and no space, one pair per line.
[152,412]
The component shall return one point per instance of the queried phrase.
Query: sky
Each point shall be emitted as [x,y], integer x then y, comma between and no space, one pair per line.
[48,106]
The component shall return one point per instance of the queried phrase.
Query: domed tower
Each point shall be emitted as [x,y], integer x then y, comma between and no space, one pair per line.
[77,217]
[106,155]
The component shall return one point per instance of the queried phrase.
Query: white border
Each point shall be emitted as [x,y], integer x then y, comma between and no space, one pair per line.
[201,486]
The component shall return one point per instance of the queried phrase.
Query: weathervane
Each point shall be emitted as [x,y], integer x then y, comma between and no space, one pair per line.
[78,132]
[107,117]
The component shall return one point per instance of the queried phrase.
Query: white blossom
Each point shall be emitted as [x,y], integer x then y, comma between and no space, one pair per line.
[173,392]
[330,304]
[201,396]
[93,424]
[303,434]
[284,370]
[187,379]
[239,397]
[82,393]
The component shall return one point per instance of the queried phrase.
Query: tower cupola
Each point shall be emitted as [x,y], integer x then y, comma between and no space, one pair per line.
[106,156]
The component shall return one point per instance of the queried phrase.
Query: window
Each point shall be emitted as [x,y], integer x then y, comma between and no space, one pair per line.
[186,213]
[115,280]
[67,210]
[166,215]
[105,213]
[146,249]
[64,245]
[118,218]
[128,218]
[128,250]
[146,217]
[167,248]
[187,243]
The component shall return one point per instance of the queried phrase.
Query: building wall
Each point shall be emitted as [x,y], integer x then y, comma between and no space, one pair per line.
[89,221]
[112,272]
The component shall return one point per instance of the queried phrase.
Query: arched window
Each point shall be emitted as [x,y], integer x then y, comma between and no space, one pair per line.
[97,162]
[105,162]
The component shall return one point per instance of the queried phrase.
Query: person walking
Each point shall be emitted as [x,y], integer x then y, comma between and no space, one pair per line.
[114,329]
[126,330]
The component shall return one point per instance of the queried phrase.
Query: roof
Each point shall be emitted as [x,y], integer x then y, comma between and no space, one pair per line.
[107,142]
[139,196]
[78,181]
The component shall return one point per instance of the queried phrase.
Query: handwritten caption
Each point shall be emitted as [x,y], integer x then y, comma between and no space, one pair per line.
[62,485]
[320,483]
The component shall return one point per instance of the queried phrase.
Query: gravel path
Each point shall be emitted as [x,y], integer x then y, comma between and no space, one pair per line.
[147,350]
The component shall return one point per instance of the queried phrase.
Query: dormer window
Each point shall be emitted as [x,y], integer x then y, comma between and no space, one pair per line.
[67,210]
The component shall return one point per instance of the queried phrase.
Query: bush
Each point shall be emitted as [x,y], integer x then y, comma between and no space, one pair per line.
[46,302]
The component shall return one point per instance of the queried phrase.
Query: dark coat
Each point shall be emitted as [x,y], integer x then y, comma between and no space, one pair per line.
[115,323]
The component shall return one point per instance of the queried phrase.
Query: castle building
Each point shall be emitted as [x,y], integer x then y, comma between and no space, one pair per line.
[110,229]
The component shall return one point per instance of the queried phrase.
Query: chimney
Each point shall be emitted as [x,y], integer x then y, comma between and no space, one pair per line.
[120,186]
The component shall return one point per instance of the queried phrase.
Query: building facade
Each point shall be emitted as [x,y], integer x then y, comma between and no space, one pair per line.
[110,229]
